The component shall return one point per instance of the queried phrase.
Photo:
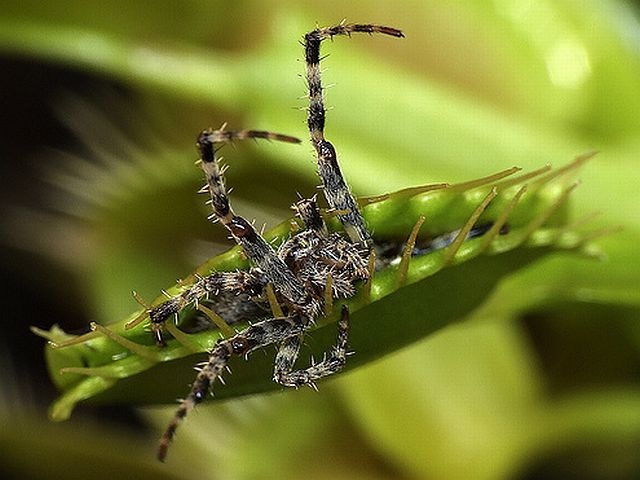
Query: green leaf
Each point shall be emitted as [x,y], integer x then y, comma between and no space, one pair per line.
[399,307]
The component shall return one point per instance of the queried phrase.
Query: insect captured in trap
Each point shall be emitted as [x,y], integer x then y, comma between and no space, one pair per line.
[318,268]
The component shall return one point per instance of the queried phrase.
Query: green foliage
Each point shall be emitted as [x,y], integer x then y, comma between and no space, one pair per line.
[386,315]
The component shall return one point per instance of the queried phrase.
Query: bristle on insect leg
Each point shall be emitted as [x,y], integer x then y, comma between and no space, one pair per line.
[365,294]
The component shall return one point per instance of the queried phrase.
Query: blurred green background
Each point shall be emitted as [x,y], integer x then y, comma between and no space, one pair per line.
[102,102]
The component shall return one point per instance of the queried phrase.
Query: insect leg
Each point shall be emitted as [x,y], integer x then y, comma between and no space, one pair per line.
[261,254]
[234,282]
[331,363]
[335,188]
[259,335]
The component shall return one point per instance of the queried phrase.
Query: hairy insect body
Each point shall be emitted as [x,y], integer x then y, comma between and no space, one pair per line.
[315,259]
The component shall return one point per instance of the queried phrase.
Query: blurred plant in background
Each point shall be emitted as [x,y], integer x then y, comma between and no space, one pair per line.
[541,382]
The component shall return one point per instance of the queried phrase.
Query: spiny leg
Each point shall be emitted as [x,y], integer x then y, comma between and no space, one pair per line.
[259,335]
[217,361]
[261,254]
[336,190]
[331,363]
[234,282]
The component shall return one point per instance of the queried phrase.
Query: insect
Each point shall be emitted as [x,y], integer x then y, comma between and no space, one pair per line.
[303,275]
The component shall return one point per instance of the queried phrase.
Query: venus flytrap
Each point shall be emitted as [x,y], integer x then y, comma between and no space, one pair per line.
[385,270]
[88,366]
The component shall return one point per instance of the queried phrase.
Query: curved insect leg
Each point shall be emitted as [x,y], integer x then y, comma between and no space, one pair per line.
[336,190]
[258,335]
[234,282]
[331,363]
[257,249]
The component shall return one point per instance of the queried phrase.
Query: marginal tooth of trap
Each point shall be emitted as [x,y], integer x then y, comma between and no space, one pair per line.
[405,192]
[140,350]
[573,166]
[142,316]
[588,237]
[76,340]
[102,372]
[139,300]
[581,221]
[181,337]
[136,321]
[219,322]
[537,222]
[521,179]
[419,190]
[403,267]
[46,334]
[488,180]
[568,236]
[276,310]
[462,235]
[494,231]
